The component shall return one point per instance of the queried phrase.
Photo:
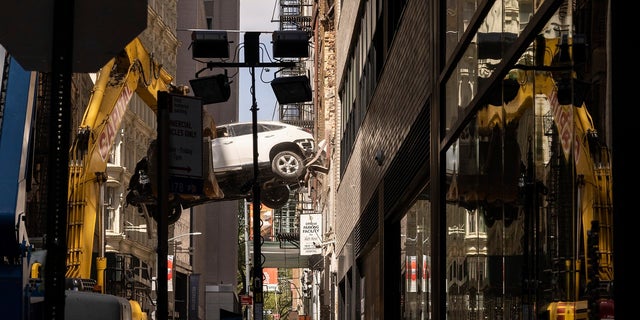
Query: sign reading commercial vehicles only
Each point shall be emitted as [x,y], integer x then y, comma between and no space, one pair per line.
[185,145]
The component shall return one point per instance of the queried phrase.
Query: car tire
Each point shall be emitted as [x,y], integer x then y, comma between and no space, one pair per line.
[175,211]
[288,165]
[276,197]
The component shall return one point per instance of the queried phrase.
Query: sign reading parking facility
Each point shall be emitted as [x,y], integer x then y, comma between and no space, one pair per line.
[310,234]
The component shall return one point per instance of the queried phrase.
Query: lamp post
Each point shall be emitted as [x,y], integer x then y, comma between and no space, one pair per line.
[175,243]
[197,233]
[173,266]
[298,299]
[214,44]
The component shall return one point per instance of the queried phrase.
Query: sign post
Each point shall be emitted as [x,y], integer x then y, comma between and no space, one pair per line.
[246,300]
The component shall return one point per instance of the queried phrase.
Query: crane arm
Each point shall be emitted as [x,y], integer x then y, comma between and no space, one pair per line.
[133,71]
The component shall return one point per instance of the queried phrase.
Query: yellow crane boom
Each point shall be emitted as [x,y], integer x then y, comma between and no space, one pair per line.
[133,71]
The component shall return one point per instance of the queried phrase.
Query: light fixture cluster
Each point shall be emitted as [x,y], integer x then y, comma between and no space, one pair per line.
[214,44]
[209,44]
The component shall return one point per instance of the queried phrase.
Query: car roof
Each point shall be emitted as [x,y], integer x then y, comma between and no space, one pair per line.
[259,121]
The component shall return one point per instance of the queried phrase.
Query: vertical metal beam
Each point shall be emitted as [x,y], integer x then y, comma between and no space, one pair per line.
[58,166]
[247,283]
[101,260]
[258,301]
[162,299]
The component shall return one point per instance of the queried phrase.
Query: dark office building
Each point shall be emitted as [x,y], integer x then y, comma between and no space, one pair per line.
[206,275]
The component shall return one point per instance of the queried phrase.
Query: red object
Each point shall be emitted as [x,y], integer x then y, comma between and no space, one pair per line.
[606,309]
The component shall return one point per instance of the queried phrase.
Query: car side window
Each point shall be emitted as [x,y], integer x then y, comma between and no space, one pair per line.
[264,128]
[222,132]
[270,127]
[242,129]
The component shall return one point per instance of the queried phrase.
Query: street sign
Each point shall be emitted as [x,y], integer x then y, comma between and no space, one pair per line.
[246,300]
[310,234]
[185,145]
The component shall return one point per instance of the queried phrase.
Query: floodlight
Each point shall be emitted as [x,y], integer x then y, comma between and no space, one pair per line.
[212,89]
[290,44]
[292,89]
[209,44]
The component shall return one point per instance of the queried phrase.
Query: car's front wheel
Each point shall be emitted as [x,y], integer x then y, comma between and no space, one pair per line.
[288,165]
[175,211]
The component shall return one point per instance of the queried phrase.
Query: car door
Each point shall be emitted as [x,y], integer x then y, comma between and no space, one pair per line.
[224,150]
[243,143]
[269,135]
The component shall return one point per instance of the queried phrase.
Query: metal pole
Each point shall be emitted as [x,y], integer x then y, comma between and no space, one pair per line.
[163,204]
[58,167]
[175,266]
[101,260]
[173,276]
[252,49]
[258,300]
[246,253]
[176,243]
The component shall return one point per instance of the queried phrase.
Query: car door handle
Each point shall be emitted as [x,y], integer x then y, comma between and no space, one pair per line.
[269,136]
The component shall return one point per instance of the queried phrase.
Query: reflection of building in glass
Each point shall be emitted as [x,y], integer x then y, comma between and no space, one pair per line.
[503,143]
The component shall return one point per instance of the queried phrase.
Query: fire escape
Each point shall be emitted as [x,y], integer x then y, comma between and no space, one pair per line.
[294,15]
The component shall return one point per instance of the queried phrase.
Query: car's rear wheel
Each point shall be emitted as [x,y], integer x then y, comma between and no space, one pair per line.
[288,165]
[175,211]
[276,197]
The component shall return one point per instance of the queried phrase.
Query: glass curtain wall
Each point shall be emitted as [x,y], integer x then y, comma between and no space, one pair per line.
[528,175]
[415,250]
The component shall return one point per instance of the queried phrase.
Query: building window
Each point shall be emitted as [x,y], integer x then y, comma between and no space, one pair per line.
[111,205]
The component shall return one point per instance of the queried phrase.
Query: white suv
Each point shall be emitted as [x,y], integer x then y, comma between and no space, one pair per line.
[282,147]
[286,153]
